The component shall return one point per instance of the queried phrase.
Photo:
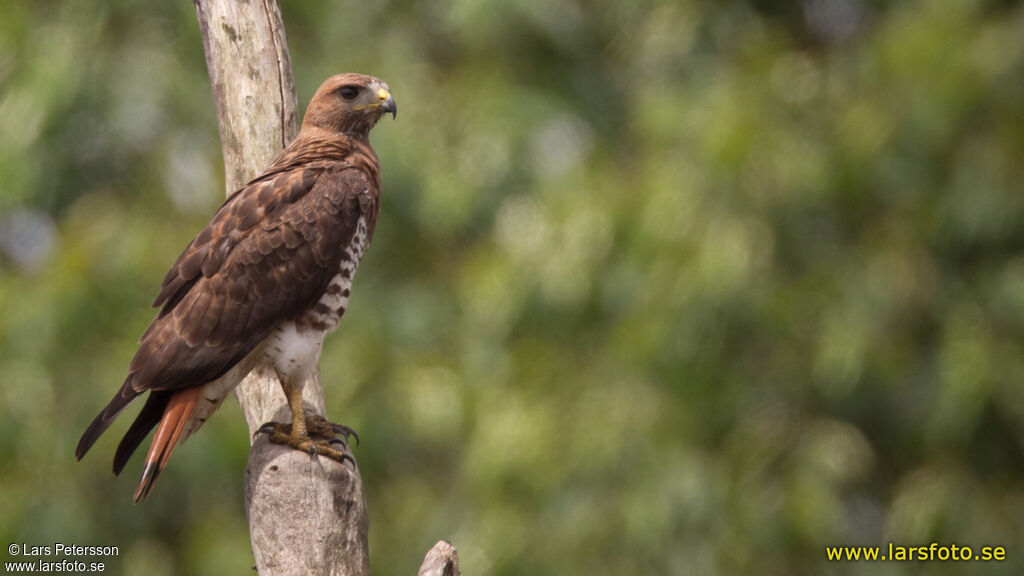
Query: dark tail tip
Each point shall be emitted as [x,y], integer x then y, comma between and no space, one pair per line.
[92,434]
[105,418]
[146,482]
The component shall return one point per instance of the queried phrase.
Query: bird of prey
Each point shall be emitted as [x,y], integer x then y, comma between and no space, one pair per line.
[261,285]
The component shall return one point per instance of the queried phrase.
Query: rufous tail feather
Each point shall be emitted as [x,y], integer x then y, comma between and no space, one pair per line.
[172,424]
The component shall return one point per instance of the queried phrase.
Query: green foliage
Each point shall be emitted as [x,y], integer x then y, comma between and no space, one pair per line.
[658,287]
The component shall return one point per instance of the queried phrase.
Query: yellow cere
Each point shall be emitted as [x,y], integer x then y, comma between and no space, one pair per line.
[383,94]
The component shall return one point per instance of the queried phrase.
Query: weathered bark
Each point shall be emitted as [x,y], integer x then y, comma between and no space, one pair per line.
[307,515]
[441,560]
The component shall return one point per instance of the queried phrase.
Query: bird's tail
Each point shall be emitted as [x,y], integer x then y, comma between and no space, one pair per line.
[172,424]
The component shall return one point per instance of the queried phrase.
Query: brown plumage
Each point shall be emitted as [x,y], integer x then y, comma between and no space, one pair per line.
[263,282]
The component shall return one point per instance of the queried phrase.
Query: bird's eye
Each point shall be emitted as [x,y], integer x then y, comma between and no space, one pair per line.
[348,92]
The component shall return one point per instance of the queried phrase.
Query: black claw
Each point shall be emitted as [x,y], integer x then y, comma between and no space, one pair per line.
[337,441]
[267,428]
[348,432]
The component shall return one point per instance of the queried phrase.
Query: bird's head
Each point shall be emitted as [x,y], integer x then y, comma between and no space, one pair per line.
[350,104]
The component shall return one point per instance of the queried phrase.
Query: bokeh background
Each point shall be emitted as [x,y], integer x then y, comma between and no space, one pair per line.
[677,287]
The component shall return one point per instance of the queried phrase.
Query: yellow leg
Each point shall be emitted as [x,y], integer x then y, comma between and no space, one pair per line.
[294,395]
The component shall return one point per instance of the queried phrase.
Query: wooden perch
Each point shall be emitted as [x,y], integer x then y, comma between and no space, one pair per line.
[441,560]
[307,515]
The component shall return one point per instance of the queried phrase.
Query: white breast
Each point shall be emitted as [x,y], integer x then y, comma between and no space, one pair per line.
[327,312]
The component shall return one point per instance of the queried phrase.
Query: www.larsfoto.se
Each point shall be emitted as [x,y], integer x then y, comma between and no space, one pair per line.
[934,551]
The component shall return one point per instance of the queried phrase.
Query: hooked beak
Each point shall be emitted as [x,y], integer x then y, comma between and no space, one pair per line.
[387,103]
[390,106]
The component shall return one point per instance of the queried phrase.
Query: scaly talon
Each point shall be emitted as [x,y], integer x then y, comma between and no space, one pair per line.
[320,440]
[319,427]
